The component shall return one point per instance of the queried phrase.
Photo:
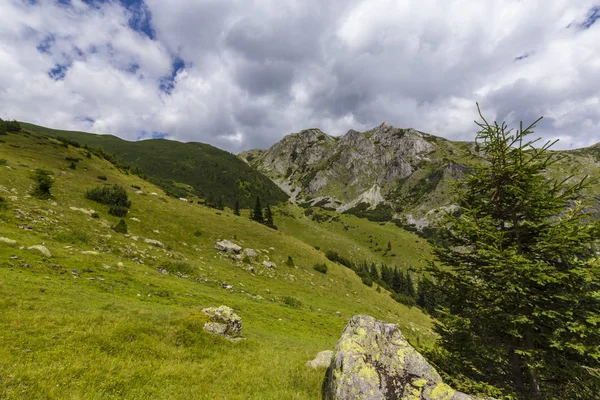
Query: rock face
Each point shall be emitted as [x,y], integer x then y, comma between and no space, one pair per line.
[360,167]
[224,322]
[322,360]
[373,361]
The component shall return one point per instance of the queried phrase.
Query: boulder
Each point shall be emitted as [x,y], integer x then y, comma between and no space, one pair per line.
[322,360]
[41,249]
[223,321]
[154,242]
[250,253]
[373,360]
[228,246]
[7,240]
[269,264]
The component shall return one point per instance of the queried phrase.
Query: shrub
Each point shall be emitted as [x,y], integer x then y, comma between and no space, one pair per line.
[290,261]
[95,215]
[118,211]
[178,267]
[73,165]
[102,177]
[3,161]
[3,203]
[291,301]
[322,268]
[367,280]
[73,159]
[197,233]
[136,187]
[114,195]
[43,184]
[120,227]
[404,299]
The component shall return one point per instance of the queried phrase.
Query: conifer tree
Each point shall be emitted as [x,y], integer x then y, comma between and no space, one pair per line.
[410,286]
[257,213]
[269,217]
[374,273]
[236,208]
[520,275]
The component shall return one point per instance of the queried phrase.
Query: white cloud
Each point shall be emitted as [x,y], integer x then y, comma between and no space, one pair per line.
[255,71]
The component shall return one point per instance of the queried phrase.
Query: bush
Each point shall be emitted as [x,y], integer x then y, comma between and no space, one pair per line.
[73,159]
[3,161]
[110,195]
[404,299]
[43,184]
[178,267]
[95,215]
[322,268]
[9,126]
[290,261]
[3,203]
[73,165]
[102,177]
[136,187]
[118,211]
[120,227]
[367,280]
[291,301]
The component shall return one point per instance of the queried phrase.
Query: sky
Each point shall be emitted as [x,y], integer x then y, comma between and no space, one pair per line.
[241,74]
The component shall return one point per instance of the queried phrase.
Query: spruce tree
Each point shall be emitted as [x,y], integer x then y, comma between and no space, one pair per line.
[257,213]
[269,217]
[236,208]
[519,273]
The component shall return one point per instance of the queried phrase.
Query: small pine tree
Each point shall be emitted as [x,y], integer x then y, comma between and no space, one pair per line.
[290,261]
[269,217]
[520,274]
[257,213]
[43,184]
[73,165]
[389,246]
[410,286]
[374,273]
[236,208]
[120,227]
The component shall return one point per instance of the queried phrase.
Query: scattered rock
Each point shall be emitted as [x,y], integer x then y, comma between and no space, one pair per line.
[373,360]
[322,360]
[83,210]
[271,248]
[7,240]
[182,199]
[120,264]
[269,264]
[90,253]
[139,192]
[156,231]
[41,249]
[135,219]
[250,253]
[220,317]
[154,243]
[228,246]
[154,194]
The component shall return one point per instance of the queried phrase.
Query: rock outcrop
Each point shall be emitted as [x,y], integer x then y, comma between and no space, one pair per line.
[373,361]
[224,322]
[42,249]
[228,247]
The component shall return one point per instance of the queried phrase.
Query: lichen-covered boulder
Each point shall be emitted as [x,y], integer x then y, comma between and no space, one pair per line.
[42,249]
[223,321]
[373,361]
[228,246]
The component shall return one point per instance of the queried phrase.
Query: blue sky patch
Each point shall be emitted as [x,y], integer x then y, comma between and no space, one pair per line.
[152,135]
[593,16]
[59,71]
[167,83]
[46,44]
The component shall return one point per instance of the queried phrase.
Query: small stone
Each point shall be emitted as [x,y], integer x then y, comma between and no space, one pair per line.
[269,264]
[154,242]
[90,253]
[7,240]
[135,219]
[322,360]
[41,249]
[228,246]
[120,264]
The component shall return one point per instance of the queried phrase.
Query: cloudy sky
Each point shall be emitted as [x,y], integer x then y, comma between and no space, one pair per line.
[242,74]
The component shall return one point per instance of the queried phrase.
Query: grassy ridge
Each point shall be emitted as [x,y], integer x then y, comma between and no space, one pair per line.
[91,322]
[211,173]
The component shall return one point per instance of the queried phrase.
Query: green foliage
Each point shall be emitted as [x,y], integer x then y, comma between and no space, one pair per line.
[404,299]
[290,262]
[9,126]
[380,213]
[114,195]
[520,275]
[73,165]
[43,184]
[118,211]
[236,208]
[269,218]
[3,161]
[3,203]
[257,212]
[120,227]
[178,267]
[205,168]
[291,301]
[320,267]
[102,177]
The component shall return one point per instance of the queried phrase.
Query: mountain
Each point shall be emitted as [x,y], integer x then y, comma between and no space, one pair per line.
[184,169]
[88,312]
[383,173]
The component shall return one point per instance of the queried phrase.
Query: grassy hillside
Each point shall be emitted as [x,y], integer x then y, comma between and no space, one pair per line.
[184,168]
[111,316]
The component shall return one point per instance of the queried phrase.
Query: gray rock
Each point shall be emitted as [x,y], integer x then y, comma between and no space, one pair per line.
[322,360]
[41,249]
[373,360]
[154,242]
[228,247]
[269,264]
[250,253]
[224,315]
[215,328]
[7,240]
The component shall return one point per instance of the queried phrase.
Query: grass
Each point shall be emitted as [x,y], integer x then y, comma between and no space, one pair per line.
[101,319]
